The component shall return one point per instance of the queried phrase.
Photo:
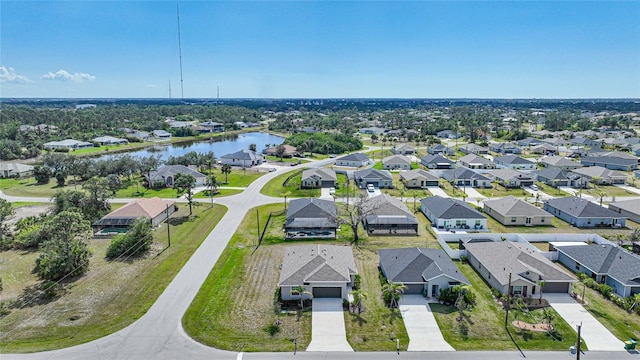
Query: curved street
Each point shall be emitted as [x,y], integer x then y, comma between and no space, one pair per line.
[159,333]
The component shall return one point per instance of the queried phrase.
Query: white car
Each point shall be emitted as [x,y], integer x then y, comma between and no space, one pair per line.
[534,187]
[332,191]
[371,188]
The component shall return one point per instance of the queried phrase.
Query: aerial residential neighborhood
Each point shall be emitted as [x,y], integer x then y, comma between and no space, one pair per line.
[234,180]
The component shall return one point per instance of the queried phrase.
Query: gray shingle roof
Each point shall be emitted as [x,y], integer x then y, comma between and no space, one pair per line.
[552,173]
[322,173]
[474,159]
[463,173]
[415,265]
[306,263]
[503,257]
[311,212]
[598,171]
[172,170]
[418,173]
[512,206]
[512,159]
[581,208]
[560,161]
[448,208]
[435,159]
[396,159]
[508,174]
[610,160]
[244,154]
[606,259]
[355,157]
[385,209]
[372,173]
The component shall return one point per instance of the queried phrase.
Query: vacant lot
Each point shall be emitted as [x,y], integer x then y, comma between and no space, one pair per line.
[109,297]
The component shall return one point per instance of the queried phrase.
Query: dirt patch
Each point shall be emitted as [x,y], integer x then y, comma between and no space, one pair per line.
[26,211]
[532,327]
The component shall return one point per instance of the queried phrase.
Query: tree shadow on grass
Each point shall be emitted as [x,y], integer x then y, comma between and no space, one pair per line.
[356,318]
[392,315]
[442,309]
[39,294]
[175,221]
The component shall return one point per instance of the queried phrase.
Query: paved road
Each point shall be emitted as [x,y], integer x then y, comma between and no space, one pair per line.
[159,334]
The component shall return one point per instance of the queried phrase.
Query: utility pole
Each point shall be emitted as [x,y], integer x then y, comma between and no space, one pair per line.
[578,343]
[506,316]
[168,228]
[258,222]
[180,52]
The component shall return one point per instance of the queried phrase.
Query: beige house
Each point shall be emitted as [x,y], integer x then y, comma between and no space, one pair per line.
[513,211]
[156,209]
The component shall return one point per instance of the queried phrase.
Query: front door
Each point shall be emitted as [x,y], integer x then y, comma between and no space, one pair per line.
[434,290]
[527,221]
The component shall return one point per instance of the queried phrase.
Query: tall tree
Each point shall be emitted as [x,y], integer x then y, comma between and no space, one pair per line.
[96,203]
[354,214]
[226,170]
[6,211]
[184,184]
[66,252]
[392,292]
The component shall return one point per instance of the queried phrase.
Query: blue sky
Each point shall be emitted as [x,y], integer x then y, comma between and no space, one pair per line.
[313,49]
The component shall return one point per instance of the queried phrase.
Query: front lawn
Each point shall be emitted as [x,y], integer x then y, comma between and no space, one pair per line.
[277,188]
[112,295]
[483,327]
[499,191]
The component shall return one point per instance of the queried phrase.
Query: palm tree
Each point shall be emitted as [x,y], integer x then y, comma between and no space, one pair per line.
[358,296]
[302,291]
[393,291]
[226,169]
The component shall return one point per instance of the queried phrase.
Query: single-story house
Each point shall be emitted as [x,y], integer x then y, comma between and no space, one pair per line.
[606,264]
[418,178]
[403,149]
[318,178]
[15,170]
[289,151]
[386,215]
[511,178]
[161,134]
[378,178]
[440,149]
[243,158]
[325,271]
[109,140]
[474,149]
[473,161]
[448,134]
[353,160]
[372,130]
[156,209]
[448,213]
[611,162]
[601,176]
[466,177]
[436,162]
[168,173]
[515,162]
[311,218]
[504,148]
[560,162]
[511,210]
[530,142]
[212,126]
[628,208]
[421,270]
[544,149]
[142,135]
[555,177]
[529,269]
[67,143]
[583,213]
[396,162]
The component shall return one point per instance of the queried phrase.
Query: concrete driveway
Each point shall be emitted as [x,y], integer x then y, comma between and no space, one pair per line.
[628,188]
[597,337]
[327,326]
[436,190]
[424,333]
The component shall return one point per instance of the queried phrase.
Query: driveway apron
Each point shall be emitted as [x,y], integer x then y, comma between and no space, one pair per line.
[597,337]
[424,333]
[327,326]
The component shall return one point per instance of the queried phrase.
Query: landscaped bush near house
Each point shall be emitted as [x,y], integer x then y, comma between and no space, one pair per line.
[134,242]
[630,303]
[450,295]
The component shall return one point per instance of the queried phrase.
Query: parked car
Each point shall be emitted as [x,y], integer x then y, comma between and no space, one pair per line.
[332,191]
[272,169]
[371,188]
[534,187]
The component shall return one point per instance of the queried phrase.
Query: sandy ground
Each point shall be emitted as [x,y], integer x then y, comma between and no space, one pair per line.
[26,211]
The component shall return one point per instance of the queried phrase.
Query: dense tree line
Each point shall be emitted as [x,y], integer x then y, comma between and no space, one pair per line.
[324,143]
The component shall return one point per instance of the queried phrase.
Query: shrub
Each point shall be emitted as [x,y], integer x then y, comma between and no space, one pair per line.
[357,280]
[134,242]
[605,290]
[273,329]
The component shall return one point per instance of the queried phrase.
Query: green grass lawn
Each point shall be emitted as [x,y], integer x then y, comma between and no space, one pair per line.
[275,187]
[378,166]
[232,314]
[499,191]
[622,325]
[608,191]
[483,327]
[556,192]
[108,298]
[557,226]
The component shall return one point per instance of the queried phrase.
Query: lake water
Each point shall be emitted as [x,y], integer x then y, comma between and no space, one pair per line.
[219,148]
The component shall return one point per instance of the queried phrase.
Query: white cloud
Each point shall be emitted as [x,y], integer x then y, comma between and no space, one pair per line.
[8,74]
[152,86]
[64,75]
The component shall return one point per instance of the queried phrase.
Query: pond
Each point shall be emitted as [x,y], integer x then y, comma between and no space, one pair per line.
[220,146]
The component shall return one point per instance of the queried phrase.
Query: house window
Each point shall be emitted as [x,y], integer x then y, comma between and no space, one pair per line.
[517,290]
[589,221]
[513,219]
[478,222]
[294,292]
[541,220]
[577,266]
